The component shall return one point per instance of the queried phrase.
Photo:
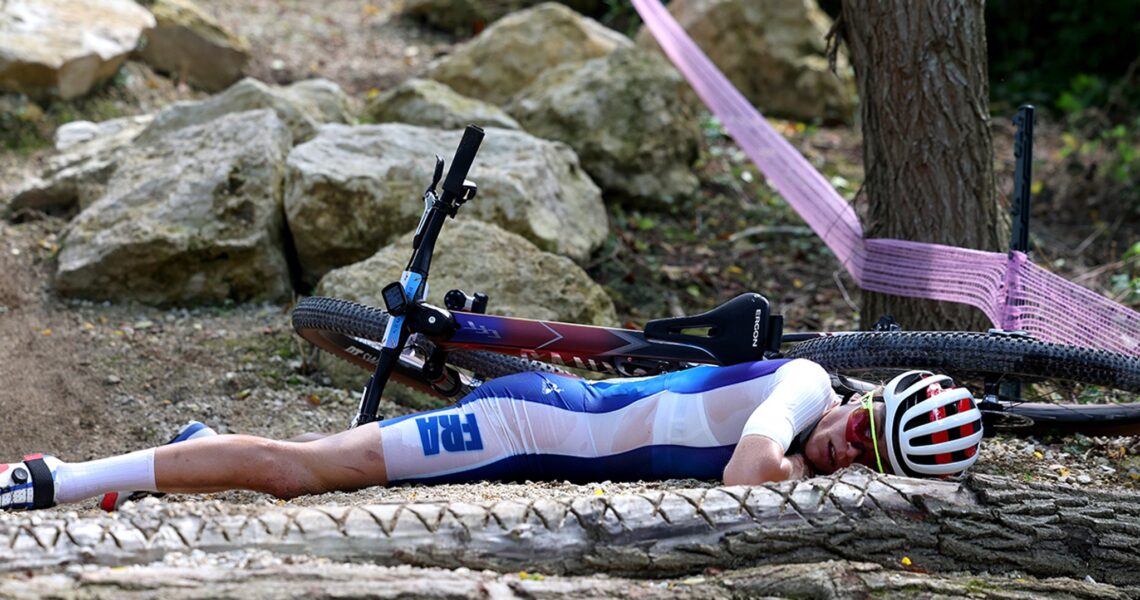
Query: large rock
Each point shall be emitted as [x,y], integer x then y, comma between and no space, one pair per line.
[773,51]
[352,189]
[464,17]
[64,47]
[513,52]
[321,98]
[630,118]
[302,110]
[192,218]
[188,43]
[433,104]
[520,279]
[87,155]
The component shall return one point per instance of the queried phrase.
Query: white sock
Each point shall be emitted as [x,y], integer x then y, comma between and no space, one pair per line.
[79,481]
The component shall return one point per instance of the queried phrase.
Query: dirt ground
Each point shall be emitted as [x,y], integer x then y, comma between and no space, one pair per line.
[82,380]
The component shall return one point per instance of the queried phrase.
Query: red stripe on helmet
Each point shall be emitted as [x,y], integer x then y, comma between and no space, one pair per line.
[939,437]
[968,429]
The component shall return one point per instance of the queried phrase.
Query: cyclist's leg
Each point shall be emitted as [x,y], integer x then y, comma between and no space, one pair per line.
[344,461]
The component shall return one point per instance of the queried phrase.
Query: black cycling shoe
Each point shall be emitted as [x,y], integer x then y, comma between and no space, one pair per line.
[28,485]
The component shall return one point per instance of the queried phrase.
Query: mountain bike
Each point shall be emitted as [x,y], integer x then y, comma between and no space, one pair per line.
[1026,385]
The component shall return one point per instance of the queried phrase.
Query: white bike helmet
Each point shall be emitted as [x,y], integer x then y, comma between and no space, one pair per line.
[933,427]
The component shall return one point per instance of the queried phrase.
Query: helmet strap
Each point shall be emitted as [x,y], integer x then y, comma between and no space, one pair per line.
[867,402]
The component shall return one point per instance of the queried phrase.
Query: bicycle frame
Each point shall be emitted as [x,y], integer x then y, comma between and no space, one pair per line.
[607,350]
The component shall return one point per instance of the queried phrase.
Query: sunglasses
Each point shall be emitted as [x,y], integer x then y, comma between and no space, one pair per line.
[861,431]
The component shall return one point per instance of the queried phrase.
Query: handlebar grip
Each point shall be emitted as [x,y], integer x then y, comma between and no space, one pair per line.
[464,156]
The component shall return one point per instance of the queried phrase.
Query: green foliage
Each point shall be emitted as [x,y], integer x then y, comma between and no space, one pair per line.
[621,16]
[1124,285]
[1110,152]
[1063,55]
[1085,91]
[23,125]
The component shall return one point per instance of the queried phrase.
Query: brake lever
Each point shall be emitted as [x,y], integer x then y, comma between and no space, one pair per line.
[437,177]
[429,199]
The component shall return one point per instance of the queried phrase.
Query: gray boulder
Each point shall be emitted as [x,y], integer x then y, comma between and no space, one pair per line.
[321,98]
[520,279]
[352,189]
[188,43]
[87,155]
[628,115]
[773,51]
[301,111]
[509,55]
[192,218]
[464,17]
[75,134]
[65,47]
[433,104]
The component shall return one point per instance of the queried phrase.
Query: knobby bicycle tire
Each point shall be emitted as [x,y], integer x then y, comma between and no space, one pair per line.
[339,326]
[1001,356]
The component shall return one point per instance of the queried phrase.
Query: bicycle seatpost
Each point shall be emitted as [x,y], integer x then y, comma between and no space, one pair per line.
[413,282]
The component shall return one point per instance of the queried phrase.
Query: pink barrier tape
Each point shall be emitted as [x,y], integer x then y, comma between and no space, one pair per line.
[1011,291]
[1053,308]
[937,272]
[1010,314]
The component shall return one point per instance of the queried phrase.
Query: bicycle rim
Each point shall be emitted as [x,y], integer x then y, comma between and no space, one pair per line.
[352,332]
[1056,378]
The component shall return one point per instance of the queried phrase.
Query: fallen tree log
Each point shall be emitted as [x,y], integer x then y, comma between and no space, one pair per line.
[316,581]
[983,523]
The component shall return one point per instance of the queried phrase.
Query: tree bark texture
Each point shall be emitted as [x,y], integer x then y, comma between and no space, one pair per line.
[923,85]
[981,524]
[262,577]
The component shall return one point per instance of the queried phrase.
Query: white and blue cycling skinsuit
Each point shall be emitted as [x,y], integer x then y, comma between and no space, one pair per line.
[540,426]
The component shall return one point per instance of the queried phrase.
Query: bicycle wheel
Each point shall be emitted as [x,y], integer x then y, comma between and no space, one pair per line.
[352,332]
[1056,375]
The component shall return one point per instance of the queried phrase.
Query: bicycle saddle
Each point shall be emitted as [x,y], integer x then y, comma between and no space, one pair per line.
[739,330]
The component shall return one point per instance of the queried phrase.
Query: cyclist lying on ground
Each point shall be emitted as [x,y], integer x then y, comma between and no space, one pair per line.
[750,423]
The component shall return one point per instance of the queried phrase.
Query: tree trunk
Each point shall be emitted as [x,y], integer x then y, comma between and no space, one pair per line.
[922,79]
[259,576]
[986,523]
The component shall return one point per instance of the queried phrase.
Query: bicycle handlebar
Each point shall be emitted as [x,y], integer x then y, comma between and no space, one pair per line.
[461,163]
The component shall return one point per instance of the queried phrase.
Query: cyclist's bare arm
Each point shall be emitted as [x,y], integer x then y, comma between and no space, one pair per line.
[759,459]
